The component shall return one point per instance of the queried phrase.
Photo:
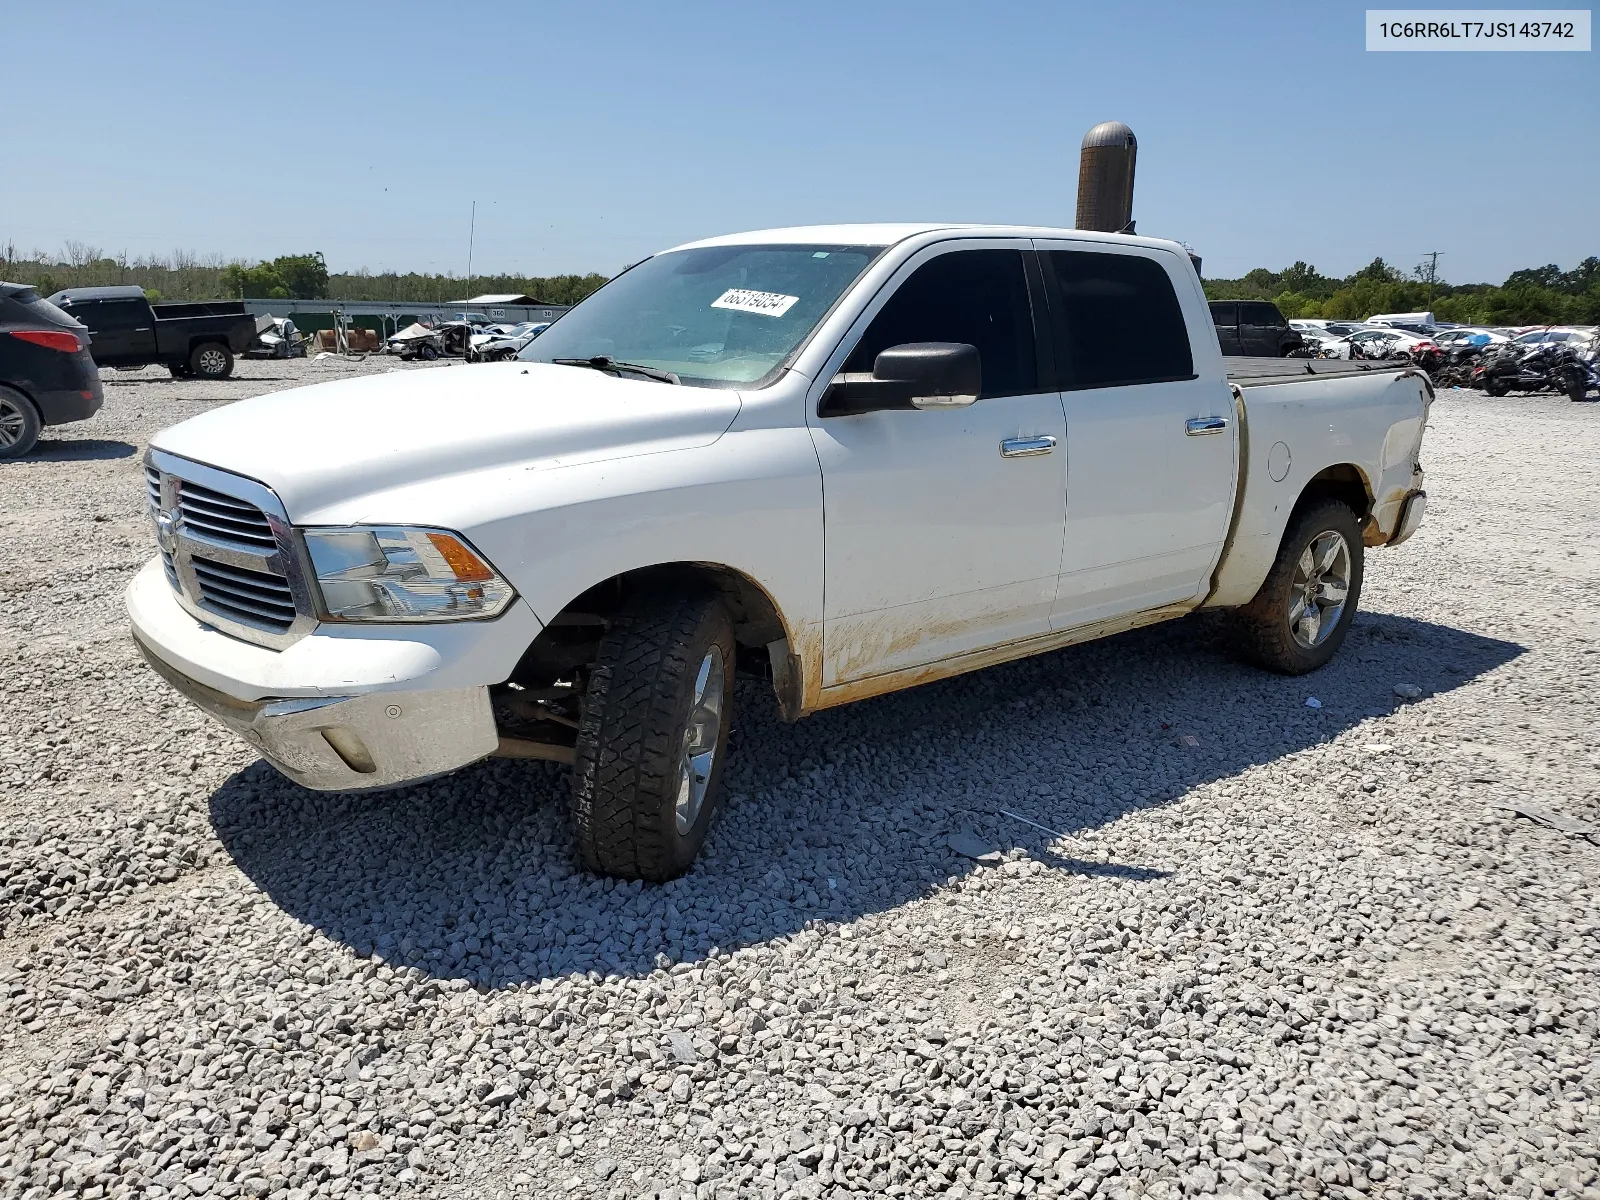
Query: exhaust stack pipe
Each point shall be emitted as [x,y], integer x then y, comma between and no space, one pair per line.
[1105,178]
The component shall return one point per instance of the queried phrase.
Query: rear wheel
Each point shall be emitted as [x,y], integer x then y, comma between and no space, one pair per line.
[1299,618]
[653,736]
[211,360]
[19,423]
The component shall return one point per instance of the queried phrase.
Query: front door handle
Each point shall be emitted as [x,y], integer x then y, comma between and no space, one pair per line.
[1200,426]
[1026,447]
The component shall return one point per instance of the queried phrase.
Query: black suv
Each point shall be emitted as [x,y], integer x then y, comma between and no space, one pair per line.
[46,374]
[1253,329]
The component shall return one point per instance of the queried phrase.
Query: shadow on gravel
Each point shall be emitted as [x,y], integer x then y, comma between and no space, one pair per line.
[79,450]
[843,814]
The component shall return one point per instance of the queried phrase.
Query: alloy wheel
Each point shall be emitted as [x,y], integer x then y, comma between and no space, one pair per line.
[13,423]
[702,737]
[1320,587]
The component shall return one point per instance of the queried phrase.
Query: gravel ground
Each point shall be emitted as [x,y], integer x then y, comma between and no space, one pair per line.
[1226,943]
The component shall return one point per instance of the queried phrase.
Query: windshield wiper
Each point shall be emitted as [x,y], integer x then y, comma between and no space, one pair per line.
[604,362]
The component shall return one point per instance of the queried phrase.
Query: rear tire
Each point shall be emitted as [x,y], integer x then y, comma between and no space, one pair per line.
[654,735]
[20,423]
[1299,618]
[211,360]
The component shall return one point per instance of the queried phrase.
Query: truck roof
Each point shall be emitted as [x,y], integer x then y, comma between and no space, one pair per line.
[888,234]
[121,291]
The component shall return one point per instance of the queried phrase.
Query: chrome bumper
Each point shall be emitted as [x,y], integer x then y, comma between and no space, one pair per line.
[1411,514]
[352,743]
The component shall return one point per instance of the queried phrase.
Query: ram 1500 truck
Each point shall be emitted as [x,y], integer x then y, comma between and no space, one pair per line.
[851,459]
[198,340]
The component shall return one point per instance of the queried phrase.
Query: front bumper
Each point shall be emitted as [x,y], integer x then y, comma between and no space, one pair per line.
[352,743]
[343,708]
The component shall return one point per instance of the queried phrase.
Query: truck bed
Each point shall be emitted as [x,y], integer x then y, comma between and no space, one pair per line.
[1249,371]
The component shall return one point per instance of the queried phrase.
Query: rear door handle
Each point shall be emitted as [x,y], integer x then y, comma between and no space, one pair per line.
[1026,447]
[1200,426]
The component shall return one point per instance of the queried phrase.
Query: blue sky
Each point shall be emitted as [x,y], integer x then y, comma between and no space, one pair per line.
[592,134]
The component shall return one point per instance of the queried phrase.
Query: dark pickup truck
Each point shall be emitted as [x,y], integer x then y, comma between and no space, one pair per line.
[193,340]
[1253,329]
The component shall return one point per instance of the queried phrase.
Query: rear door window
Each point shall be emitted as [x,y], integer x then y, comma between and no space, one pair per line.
[979,297]
[1224,314]
[1117,321]
[1263,315]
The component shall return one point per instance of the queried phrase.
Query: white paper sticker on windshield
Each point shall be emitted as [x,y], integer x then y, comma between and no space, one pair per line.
[767,304]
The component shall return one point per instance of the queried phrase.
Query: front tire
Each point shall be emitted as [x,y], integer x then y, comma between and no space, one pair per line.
[20,424]
[653,736]
[211,360]
[1299,618]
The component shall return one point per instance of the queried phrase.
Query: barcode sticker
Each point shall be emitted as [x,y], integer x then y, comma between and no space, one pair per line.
[766,304]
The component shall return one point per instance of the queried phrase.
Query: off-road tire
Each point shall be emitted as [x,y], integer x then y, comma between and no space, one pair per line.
[211,360]
[630,737]
[1497,390]
[1262,631]
[20,423]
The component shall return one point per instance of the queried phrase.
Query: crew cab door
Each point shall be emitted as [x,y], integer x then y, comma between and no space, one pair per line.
[1262,329]
[942,528]
[121,331]
[1150,442]
[1225,316]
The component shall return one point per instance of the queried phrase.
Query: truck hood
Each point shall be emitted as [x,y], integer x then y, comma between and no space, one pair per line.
[319,445]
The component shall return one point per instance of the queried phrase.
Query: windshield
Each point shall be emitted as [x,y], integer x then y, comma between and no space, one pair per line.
[721,316]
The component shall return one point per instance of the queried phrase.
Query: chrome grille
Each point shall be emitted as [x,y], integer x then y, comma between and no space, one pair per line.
[227,551]
[214,515]
[247,595]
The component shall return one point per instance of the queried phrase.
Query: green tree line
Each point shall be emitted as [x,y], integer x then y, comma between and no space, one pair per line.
[1533,296]
[185,276]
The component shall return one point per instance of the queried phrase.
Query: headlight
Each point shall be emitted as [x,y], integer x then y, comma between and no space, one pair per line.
[392,573]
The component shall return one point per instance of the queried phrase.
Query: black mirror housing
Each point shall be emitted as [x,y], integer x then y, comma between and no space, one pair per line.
[913,375]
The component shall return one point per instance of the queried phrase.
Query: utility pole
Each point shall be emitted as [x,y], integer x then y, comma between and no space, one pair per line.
[471,234]
[1433,272]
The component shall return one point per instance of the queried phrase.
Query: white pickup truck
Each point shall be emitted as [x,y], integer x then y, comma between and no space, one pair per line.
[850,459]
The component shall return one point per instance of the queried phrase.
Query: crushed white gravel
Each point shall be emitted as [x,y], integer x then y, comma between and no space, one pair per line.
[1203,938]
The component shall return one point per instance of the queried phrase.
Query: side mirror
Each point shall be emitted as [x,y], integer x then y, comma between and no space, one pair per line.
[914,375]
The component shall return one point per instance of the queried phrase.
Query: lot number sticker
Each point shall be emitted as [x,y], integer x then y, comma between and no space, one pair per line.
[766,304]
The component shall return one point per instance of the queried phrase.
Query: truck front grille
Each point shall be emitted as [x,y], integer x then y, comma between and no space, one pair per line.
[231,563]
[246,595]
[214,515]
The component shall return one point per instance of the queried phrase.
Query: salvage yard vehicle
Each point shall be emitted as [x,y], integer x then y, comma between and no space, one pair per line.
[193,340]
[1254,328]
[848,459]
[46,374]
[280,339]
